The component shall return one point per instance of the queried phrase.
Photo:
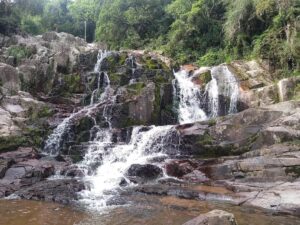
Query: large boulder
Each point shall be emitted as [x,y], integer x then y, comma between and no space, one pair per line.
[9,80]
[50,36]
[242,132]
[215,217]
[7,125]
[289,88]
[251,74]
[142,107]
[142,173]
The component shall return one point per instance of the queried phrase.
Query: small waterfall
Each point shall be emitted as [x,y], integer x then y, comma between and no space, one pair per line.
[189,109]
[196,104]
[54,142]
[212,92]
[105,163]
[227,85]
[98,70]
[144,146]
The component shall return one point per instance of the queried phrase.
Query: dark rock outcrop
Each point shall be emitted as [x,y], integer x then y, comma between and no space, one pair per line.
[143,173]
[60,191]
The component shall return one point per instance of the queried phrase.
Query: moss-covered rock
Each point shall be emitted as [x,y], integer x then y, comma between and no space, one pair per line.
[20,52]
[73,83]
[202,78]
[135,88]
[12,143]
[293,170]
[81,129]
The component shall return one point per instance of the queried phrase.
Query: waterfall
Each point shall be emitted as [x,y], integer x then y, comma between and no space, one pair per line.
[97,69]
[144,146]
[54,142]
[227,85]
[189,109]
[212,92]
[106,161]
[196,103]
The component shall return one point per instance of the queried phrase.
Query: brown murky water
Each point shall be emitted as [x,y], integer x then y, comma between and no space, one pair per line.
[143,210]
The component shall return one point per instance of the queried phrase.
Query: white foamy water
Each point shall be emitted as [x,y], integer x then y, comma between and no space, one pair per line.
[212,92]
[116,160]
[196,104]
[97,69]
[228,85]
[189,109]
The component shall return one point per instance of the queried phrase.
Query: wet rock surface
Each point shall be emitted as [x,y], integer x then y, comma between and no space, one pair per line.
[60,191]
[143,173]
[24,172]
[215,217]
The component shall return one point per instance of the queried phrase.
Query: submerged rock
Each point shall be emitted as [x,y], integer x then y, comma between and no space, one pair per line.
[215,217]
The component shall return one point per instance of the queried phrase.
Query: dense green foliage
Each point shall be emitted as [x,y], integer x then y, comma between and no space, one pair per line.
[132,23]
[206,32]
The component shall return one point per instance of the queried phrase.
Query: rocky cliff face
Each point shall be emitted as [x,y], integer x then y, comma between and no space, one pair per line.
[58,69]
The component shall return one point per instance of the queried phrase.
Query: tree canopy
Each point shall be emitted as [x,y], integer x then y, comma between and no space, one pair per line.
[206,32]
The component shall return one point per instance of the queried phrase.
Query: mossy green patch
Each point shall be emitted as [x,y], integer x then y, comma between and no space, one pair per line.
[152,64]
[35,135]
[205,139]
[123,57]
[11,143]
[159,79]
[73,83]
[43,112]
[19,52]
[136,88]
[206,77]
[212,122]
[293,170]
[296,94]
[115,78]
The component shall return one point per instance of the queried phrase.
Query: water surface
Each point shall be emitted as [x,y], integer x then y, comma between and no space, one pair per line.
[143,209]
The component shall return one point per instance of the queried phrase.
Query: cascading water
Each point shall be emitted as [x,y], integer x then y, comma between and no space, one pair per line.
[97,69]
[189,109]
[54,142]
[227,85]
[212,92]
[145,145]
[196,104]
[106,162]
